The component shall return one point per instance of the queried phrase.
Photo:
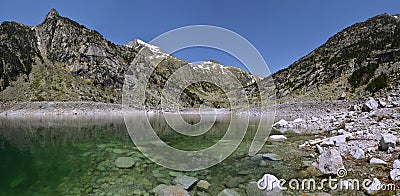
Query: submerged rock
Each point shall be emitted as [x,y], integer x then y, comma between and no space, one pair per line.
[256,157]
[243,172]
[271,157]
[228,192]
[124,162]
[252,189]
[159,188]
[172,191]
[158,175]
[262,163]
[269,182]
[117,151]
[203,185]
[185,181]
[234,182]
[174,173]
[17,181]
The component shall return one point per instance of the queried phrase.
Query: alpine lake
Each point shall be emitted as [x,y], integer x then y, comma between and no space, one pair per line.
[76,155]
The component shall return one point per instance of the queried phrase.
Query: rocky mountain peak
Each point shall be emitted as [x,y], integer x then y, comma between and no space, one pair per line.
[359,61]
[52,14]
[137,43]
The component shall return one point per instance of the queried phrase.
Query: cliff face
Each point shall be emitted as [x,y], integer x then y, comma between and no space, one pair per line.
[59,60]
[18,52]
[82,51]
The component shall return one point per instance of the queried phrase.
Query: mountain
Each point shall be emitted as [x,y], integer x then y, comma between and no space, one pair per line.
[359,61]
[213,82]
[61,60]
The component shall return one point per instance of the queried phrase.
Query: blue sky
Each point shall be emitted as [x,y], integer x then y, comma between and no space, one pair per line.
[283,31]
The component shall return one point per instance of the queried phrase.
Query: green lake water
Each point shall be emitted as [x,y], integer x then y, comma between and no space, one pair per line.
[76,156]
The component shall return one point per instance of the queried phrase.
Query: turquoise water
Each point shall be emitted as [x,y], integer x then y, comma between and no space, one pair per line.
[76,155]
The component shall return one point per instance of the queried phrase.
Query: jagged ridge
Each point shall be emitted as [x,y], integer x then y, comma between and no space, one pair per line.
[61,60]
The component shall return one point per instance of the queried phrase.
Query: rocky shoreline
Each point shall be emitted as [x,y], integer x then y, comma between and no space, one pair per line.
[360,137]
[59,108]
[81,108]
[286,110]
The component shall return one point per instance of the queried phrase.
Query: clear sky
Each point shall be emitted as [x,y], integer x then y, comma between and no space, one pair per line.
[283,31]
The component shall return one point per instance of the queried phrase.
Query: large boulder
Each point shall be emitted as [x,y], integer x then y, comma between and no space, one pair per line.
[396,164]
[382,103]
[374,187]
[329,162]
[281,124]
[395,174]
[387,140]
[370,105]
[376,161]
[359,154]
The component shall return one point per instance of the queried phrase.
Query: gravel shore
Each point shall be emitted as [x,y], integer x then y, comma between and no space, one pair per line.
[285,110]
[60,108]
